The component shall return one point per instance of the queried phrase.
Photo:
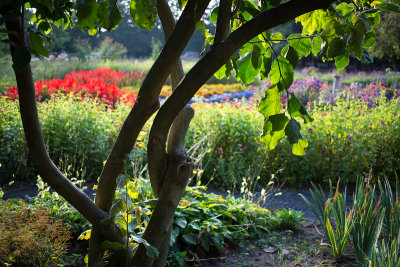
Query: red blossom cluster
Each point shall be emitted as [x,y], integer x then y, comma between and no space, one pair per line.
[101,84]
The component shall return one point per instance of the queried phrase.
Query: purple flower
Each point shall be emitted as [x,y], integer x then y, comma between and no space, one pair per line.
[220,149]
[323,150]
[350,137]
[240,145]
[364,152]
[259,156]
[310,129]
[364,132]
[383,123]
[245,148]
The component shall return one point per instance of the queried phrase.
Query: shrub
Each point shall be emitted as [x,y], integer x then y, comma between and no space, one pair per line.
[78,134]
[29,236]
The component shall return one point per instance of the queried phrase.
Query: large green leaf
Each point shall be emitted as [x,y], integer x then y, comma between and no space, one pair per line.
[270,104]
[87,14]
[144,13]
[109,14]
[389,6]
[292,56]
[342,61]
[274,129]
[296,109]
[37,44]
[335,48]
[316,21]
[282,72]
[316,45]
[302,45]
[356,39]
[266,64]
[292,131]
[298,148]
[246,69]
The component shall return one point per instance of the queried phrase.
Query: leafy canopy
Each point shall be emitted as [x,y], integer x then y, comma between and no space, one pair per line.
[342,31]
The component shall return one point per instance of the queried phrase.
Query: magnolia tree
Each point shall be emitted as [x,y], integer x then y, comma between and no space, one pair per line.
[241,46]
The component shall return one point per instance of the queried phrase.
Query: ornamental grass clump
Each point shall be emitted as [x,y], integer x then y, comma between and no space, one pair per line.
[29,236]
[369,226]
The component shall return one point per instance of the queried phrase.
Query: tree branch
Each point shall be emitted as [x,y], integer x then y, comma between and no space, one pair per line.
[147,101]
[217,57]
[223,21]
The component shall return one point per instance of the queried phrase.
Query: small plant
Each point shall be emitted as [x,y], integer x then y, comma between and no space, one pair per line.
[286,219]
[59,208]
[338,236]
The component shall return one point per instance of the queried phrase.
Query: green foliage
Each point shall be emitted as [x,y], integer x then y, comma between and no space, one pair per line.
[69,127]
[363,224]
[285,219]
[144,13]
[203,222]
[59,208]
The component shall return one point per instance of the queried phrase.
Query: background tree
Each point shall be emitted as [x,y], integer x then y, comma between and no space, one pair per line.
[387,43]
[335,30]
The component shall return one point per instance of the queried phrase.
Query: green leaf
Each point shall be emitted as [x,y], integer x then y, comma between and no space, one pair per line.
[144,13]
[292,56]
[266,63]
[370,38]
[296,109]
[282,72]
[356,39]
[122,180]
[117,206]
[255,57]
[182,3]
[214,15]
[109,14]
[250,7]
[344,8]
[273,130]
[302,45]
[276,37]
[181,222]
[87,14]
[190,238]
[316,21]
[246,70]
[336,47]
[37,44]
[219,74]
[316,45]
[151,251]
[389,6]
[112,245]
[292,131]
[21,57]
[270,104]
[298,149]
[342,61]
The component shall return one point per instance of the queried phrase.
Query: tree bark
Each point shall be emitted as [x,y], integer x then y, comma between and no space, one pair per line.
[145,105]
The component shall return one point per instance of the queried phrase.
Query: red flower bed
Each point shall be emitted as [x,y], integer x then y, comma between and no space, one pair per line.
[100,83]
